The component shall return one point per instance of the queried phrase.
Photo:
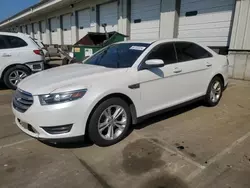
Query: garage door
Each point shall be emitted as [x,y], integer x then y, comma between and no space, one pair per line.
[83,22]
[43,32]
[145,19]
[53,30]
[36,31]
[109,15]
[29,29]
[206,21]
[66,25]
[24,29]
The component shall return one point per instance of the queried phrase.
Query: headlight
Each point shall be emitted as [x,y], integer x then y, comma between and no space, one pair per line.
[61,97]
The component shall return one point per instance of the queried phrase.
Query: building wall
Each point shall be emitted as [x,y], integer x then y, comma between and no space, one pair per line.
[239,52]
[239,37]
[167,20]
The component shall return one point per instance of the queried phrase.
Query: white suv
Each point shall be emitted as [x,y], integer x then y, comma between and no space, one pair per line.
[116,87]
[20,56]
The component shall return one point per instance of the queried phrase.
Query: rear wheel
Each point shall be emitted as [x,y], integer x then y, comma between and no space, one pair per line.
[214,92]
[109,122]
[14,75]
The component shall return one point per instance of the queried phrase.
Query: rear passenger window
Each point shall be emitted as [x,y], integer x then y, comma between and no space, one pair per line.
[187,51]
[2,43]
[15,42]
[165,52]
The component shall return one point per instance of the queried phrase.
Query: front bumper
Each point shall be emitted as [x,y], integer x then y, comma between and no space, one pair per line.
[41,121]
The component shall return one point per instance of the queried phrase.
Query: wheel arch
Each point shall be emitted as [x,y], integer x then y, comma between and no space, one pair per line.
[124,97]
[221,77]
[10,66]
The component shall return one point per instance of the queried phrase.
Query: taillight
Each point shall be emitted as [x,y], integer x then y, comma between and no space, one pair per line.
[38,52]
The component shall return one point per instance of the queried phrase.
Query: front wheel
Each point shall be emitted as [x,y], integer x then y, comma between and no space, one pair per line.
[214,92]
[109,122]
[14,75]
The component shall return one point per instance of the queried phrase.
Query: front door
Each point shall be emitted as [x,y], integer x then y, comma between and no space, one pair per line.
[159,86]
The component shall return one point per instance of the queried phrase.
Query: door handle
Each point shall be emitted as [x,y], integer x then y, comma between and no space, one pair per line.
[209,64]
[177,70]
[6,55]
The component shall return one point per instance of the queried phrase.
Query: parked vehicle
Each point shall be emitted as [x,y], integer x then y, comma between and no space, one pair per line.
[20,56]
[116,87]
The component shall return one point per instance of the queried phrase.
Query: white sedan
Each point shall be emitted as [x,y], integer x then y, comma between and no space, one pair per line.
[117,87]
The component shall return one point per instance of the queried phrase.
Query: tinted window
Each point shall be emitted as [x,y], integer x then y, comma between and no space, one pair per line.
[165,52]
[189,51]
[15,42]
[2,43]
[121,55]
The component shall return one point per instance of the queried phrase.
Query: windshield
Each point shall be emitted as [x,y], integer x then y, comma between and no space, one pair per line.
[121,55]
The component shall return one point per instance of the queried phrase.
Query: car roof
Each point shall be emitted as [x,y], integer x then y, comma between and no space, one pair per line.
[139,41]
[158,41]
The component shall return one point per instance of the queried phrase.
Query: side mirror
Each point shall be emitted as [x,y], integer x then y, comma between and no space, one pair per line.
[154,63]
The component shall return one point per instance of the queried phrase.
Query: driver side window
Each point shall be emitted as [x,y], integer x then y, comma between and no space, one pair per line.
[165,52]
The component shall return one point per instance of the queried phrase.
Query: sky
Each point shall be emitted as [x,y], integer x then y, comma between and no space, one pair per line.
[10,7]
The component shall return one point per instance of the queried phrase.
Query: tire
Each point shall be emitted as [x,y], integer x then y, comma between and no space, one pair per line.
[214,92]
[19,69]
[99,121]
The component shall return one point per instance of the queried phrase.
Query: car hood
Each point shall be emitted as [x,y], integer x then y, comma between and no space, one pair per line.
[75,76]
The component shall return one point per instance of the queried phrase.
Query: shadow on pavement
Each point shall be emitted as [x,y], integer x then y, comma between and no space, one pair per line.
[69,145]
[165,180]
[166,115]
[147,122]
[3,86]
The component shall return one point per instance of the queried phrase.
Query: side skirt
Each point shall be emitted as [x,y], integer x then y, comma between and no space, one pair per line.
[142,118]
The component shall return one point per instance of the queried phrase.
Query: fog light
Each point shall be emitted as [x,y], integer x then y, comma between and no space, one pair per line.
[58,129]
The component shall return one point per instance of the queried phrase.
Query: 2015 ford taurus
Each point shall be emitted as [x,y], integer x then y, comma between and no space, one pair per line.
[115,88]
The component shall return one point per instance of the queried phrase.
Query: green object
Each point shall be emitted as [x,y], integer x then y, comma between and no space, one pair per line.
[93,42]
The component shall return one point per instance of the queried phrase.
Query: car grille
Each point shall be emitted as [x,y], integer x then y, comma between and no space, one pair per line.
[22,100]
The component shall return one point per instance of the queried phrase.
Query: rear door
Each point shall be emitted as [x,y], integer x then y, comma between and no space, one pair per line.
[16,51]
[4,56]
[193,70]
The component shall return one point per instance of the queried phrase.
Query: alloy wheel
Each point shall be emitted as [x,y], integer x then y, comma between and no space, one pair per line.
[112,122]
[16,76]
[215,91]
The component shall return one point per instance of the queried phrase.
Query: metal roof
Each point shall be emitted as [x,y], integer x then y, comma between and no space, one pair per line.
[26,10]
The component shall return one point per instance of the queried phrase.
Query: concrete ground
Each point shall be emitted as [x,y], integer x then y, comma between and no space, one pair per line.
[193,147]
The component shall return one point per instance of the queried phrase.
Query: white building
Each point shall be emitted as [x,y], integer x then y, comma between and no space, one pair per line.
[221,24]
